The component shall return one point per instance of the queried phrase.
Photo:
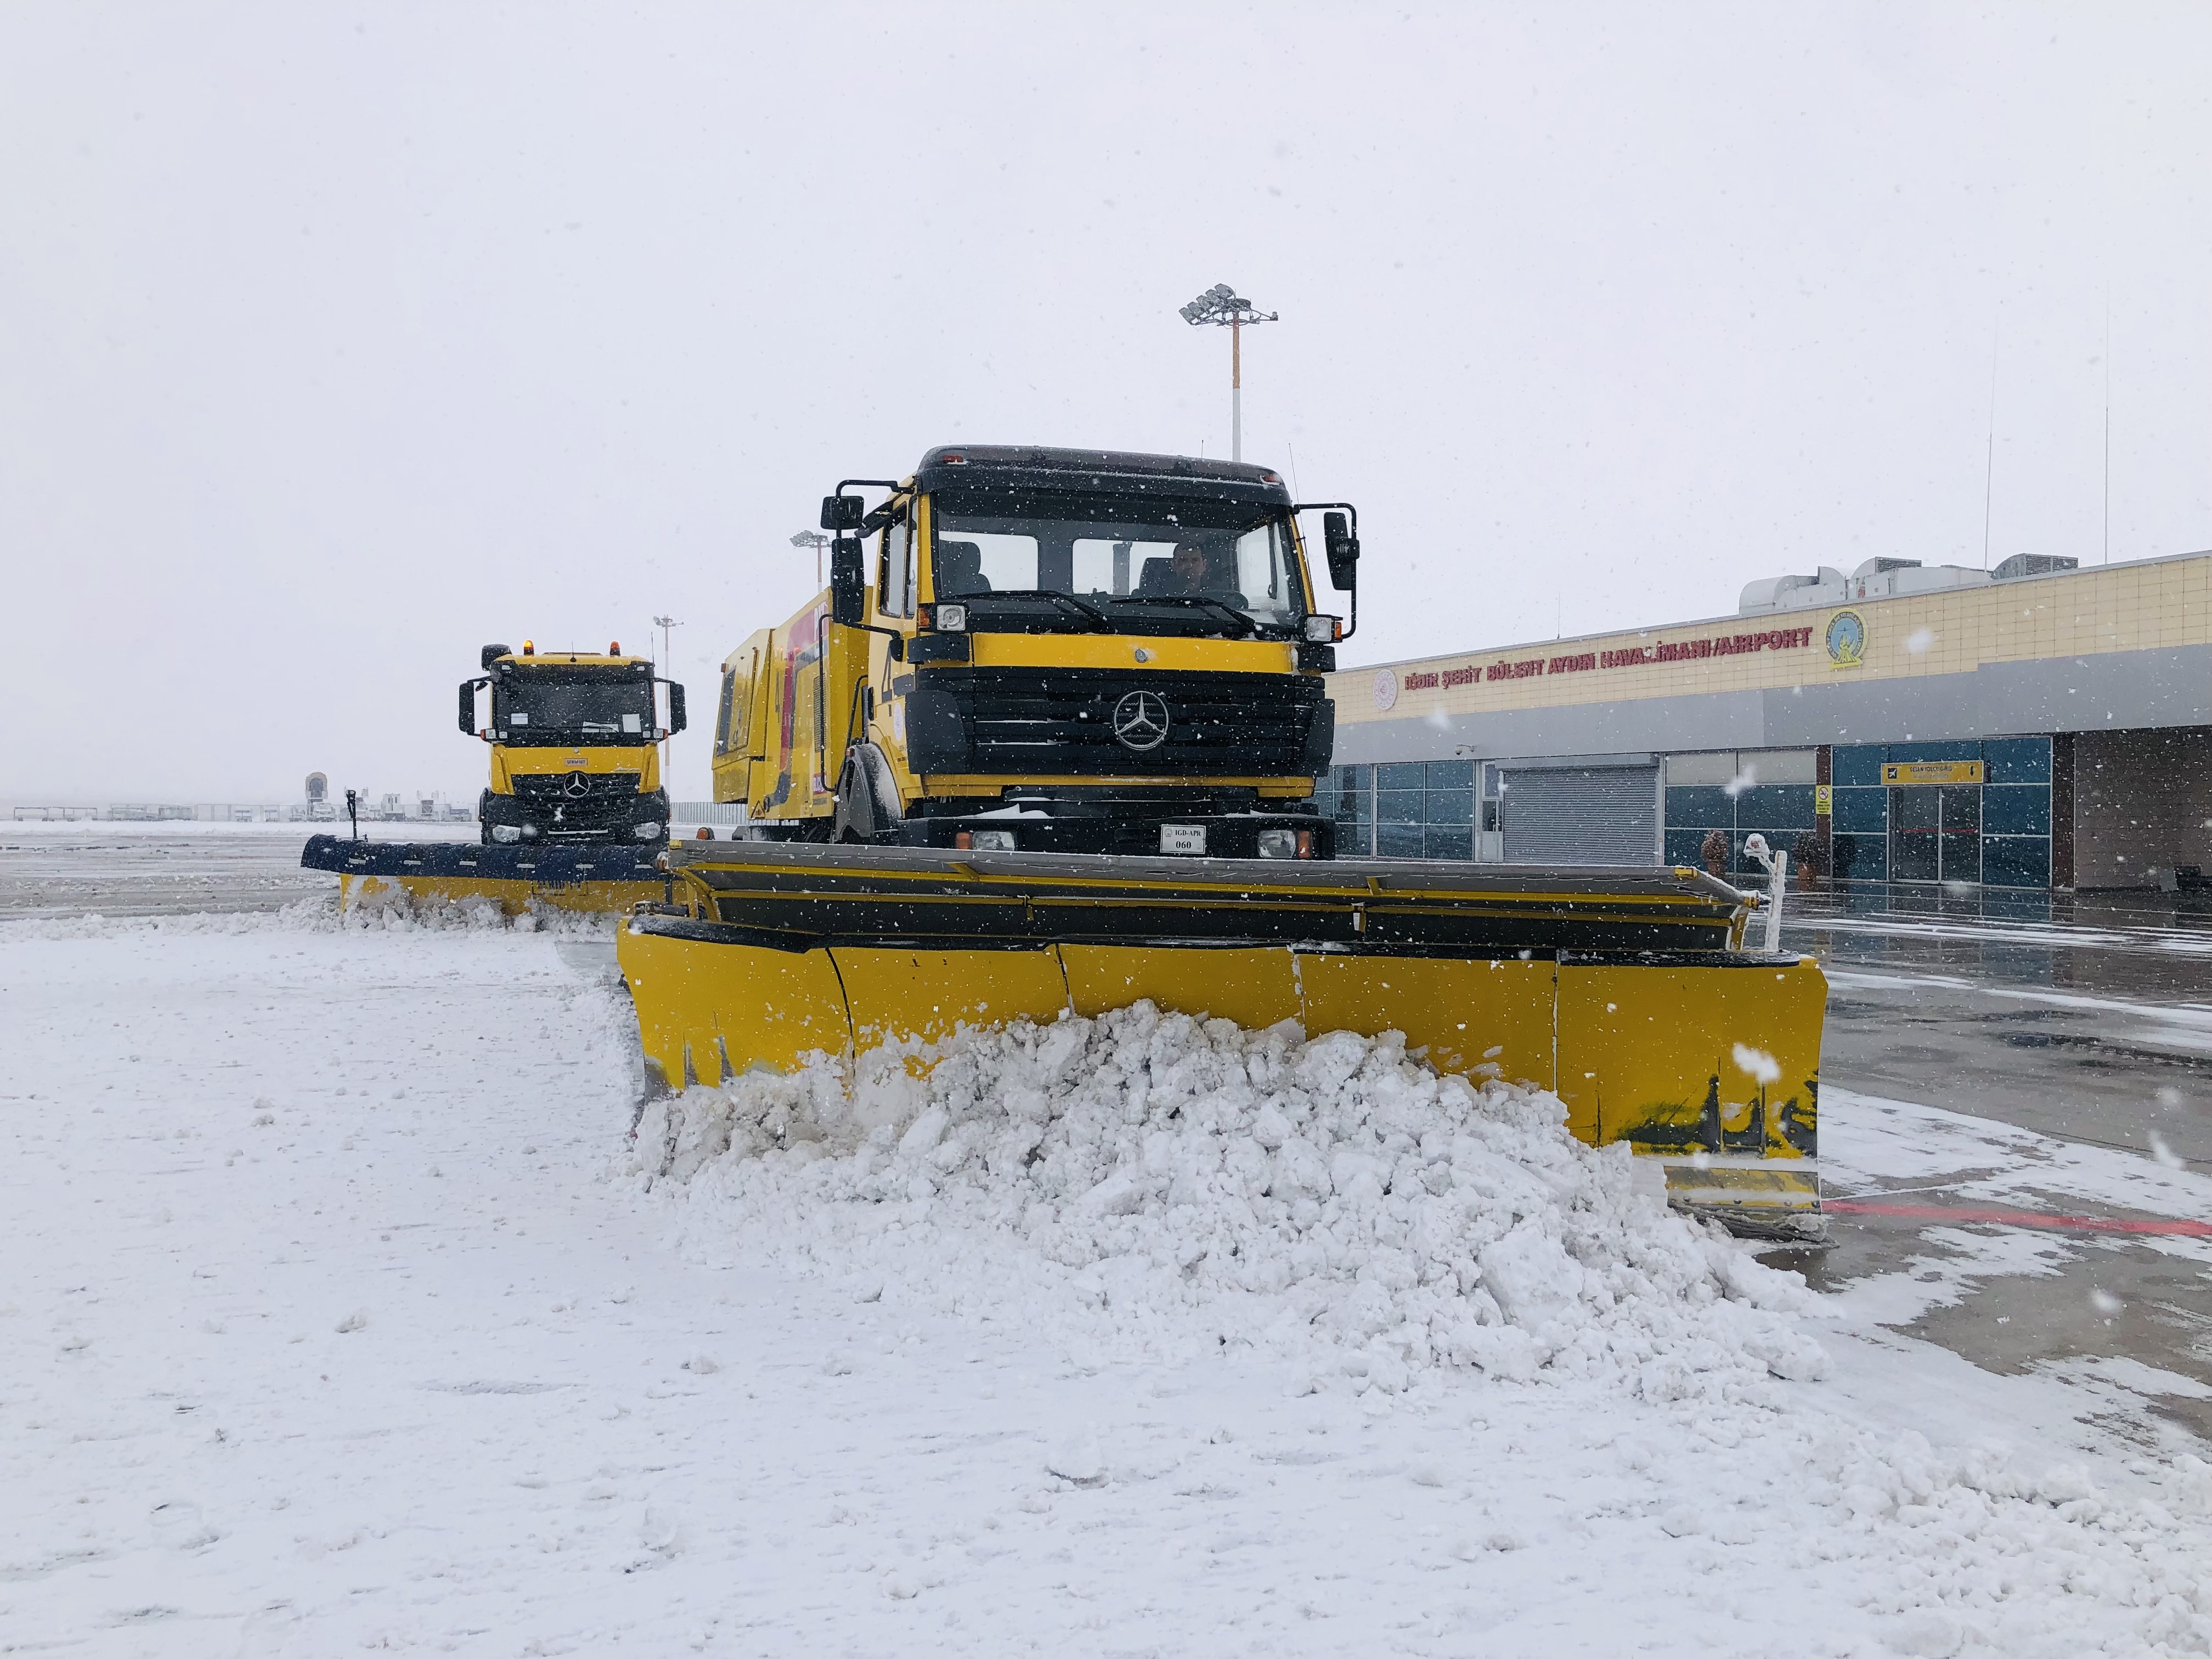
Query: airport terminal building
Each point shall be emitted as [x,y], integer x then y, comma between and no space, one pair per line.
[2039,725]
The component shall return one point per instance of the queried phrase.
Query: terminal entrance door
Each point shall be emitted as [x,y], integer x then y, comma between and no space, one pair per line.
[1936,832]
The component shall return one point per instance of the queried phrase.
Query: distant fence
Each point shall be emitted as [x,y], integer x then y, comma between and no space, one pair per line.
[708,811]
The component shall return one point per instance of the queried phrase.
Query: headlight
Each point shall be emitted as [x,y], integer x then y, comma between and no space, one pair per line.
[649,830]
[991,840]
[1322,630]
[506,833]
[952,619]
[1279,844]
[530,831]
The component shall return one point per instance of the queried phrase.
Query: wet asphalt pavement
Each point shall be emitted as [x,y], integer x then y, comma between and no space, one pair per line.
[2088,1020]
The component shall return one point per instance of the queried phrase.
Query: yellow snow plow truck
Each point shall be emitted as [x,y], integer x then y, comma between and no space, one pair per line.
[575,814]
[1048,744]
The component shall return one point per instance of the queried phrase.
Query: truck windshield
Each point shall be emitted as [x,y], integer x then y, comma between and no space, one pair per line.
[1134,564]
[567,706]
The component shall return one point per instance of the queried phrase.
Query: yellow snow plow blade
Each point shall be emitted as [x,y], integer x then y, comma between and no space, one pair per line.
[1624,990]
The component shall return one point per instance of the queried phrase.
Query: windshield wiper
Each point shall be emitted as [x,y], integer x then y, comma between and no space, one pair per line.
[1196,599]
[1068,599]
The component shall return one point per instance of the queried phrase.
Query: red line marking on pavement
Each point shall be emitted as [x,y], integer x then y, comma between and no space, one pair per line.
[2088,1223]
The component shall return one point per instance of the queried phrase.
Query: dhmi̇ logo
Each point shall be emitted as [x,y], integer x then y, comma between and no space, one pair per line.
[1846,639]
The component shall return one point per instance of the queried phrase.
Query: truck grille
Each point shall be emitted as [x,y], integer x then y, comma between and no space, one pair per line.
[1059,722]
[600,790]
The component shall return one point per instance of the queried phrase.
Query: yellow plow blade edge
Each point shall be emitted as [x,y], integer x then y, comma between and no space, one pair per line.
[580,877]
[1622,990]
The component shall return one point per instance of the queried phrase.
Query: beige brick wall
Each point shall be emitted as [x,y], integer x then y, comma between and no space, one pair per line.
[2130,607]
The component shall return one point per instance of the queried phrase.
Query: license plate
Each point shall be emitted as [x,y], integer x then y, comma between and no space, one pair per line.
[1183,838]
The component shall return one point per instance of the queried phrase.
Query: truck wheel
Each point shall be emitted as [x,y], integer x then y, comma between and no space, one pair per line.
[868,807]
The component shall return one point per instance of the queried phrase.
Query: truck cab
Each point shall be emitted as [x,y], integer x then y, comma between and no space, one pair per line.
[573,736]
[1048,650]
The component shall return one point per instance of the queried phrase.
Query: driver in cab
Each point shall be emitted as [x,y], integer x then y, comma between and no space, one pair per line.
[1189,570]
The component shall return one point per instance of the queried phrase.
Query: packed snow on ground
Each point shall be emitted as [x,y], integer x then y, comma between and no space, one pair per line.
[344,1312]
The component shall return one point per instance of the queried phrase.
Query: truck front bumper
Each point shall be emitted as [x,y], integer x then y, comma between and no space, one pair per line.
[1068,827]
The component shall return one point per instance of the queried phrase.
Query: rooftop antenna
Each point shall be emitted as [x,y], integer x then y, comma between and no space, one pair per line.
[1990,474]
[2108,426]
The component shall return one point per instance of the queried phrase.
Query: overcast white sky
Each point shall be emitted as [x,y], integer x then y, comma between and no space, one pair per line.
[336,340]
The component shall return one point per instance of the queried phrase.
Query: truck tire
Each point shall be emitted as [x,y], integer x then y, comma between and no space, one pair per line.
[868,807]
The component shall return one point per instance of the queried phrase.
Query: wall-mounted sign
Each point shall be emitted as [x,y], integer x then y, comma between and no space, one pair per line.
[1823,800]
[1845,638]
[1908,772]
[1389,684]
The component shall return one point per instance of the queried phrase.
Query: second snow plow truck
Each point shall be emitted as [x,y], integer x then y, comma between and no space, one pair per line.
[1048,743]
[575,814]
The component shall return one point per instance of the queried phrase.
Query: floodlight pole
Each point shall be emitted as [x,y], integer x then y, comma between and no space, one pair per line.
[1222,305]
[818,541]
[664,624]
[1236,389]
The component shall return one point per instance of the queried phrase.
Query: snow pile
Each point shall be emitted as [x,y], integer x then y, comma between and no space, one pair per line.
[391,910]
[1147,1182]
[308,915]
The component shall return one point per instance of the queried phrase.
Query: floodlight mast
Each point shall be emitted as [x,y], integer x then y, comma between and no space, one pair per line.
[818,541]
[1222,306]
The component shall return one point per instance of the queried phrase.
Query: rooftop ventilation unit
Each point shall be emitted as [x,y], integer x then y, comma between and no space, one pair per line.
[2033,564]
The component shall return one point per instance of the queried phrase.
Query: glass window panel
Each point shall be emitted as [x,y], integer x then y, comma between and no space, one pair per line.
[1398,806]
[1860,858]
[1439,842]
[1707,806]
[1401,774]
[1687,771]
[2016,861]
[1779,765]
[1915,809]
[1450,806]
[1450,775]
[1852,764]
[2016,810]
[1398,840]
[1862,811]
[2016,760]
[1789,805]
[1683,847]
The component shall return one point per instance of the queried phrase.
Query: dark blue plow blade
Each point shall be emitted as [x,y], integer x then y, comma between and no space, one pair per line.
[541,866]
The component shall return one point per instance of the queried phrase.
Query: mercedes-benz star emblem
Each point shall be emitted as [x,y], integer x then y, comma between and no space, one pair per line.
[1140,721]
[577,785]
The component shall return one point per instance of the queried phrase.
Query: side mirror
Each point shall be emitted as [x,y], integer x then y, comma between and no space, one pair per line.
[841,512]
[1343,548]
[469,706]
[849,592]
[492,654]
[676,720]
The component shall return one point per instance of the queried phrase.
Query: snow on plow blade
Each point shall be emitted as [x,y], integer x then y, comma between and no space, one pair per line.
[586,877]
[1624,990]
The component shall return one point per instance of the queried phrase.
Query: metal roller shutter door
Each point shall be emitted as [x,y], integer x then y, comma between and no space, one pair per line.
[1583,815]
